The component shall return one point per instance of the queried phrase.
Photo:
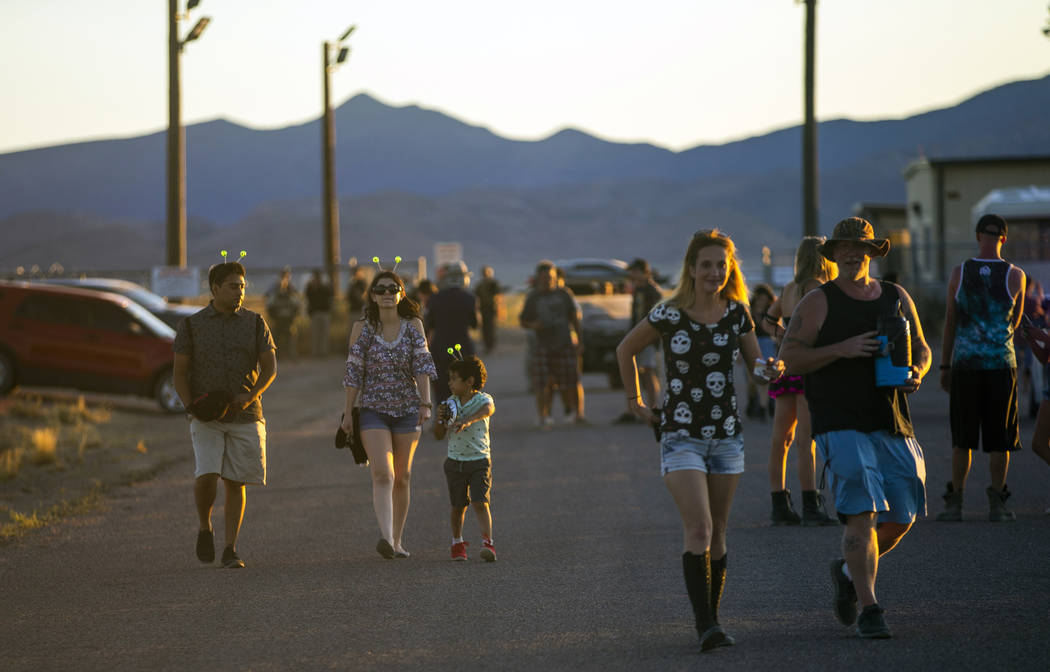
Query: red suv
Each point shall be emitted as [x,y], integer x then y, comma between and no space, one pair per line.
[83,339]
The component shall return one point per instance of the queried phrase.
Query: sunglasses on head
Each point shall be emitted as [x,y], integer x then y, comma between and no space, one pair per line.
[386,289]
[707,233]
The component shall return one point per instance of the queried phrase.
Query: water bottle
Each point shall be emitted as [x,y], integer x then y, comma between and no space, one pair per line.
[893,361]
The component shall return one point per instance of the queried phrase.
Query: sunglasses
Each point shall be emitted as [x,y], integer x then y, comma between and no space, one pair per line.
[386,289]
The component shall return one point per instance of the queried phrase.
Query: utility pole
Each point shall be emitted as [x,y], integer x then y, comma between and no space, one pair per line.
[330,195]
[810,190]
[176,142]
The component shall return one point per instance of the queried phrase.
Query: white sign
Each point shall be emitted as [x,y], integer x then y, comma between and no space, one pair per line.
[176,283]
[446,253]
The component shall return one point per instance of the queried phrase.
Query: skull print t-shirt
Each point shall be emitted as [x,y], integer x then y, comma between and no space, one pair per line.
[700,400]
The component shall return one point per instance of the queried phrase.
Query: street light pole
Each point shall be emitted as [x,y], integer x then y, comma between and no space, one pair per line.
[810,203]
[176,141]
[330,195]
[176,199]
[331,198]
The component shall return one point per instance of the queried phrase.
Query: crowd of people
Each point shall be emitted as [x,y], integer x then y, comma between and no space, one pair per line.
[836,354]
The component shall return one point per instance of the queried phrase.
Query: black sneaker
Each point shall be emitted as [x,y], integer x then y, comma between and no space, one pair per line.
[230,560]
[715,637]
[871,624]
[206,546]
[845,594]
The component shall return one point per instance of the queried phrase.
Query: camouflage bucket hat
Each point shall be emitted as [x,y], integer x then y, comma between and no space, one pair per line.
[855,230]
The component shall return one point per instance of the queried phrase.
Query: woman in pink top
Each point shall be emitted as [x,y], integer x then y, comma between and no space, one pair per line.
[388,373]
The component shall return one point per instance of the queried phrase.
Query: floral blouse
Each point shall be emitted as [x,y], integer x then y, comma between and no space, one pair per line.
[386,372]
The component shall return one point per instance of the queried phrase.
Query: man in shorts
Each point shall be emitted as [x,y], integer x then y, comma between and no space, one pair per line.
[979,366]
[224,360]
[551,312]
[864,433]
[644,295]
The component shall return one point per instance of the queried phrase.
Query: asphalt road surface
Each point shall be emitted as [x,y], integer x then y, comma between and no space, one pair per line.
[588,576]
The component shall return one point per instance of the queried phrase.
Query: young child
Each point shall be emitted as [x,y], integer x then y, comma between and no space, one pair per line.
[464,416]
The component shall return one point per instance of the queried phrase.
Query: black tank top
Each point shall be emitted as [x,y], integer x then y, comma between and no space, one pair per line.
[842,395]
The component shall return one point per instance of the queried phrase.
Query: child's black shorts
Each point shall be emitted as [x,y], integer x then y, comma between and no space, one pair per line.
[464,475]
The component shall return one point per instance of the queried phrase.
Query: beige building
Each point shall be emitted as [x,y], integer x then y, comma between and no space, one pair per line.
[890,221]
[941,197]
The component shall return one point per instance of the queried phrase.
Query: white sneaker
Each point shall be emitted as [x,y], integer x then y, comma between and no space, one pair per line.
[544,423]
[569,418]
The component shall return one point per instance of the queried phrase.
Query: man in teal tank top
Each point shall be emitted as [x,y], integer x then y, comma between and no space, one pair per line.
[979,367]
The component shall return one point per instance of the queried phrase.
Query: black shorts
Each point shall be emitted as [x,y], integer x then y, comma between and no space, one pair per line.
[984,404]
[468,480]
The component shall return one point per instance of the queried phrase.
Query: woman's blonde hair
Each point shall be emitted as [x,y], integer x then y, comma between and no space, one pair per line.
[735,288]
[810,264]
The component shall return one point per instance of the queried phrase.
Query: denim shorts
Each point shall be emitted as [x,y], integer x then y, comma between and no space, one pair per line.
[406,424]
[875,471]
[711,456]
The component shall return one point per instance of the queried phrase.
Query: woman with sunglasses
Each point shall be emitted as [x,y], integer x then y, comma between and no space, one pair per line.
[703,326]
[388,371]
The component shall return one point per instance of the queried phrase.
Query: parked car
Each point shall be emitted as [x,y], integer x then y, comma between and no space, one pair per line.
[170,313]
[84,339]
[594,276]
[605,320]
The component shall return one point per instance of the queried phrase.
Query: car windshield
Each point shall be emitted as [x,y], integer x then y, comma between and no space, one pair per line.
[151,321]
[143,297]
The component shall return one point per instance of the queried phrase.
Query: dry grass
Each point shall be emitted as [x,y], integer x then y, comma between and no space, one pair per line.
[20,523]
[34,408]
[10,462]
[43,445]
[34,431]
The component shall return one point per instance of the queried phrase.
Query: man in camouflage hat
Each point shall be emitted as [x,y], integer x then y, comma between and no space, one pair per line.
[864,433]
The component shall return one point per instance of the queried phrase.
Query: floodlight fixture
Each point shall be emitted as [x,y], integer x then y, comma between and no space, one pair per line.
[191,4]
[197,29]
[343,53]
[349,30]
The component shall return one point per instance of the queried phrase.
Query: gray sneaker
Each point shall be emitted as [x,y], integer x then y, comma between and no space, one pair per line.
[845,594]
[871,624]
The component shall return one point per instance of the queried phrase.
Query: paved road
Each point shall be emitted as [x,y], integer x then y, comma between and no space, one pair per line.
[588,575]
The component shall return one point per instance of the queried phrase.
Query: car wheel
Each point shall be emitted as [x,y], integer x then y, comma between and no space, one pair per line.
[165,394]
[7,373]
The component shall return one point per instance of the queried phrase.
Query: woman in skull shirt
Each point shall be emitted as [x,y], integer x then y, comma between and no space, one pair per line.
[703,326]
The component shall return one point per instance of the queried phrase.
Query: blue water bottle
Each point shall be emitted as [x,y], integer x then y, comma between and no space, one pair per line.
[893,361]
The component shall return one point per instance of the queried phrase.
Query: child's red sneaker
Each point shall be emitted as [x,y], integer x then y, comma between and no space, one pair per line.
[459,551]
[488,551]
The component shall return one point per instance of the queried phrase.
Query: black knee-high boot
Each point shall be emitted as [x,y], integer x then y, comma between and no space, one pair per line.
[697,571]
[718,582]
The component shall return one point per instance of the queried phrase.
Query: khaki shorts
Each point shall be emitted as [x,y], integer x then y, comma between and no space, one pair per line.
[235,451]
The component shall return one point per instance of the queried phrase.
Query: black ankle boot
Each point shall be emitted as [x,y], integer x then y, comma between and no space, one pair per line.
[783,510]
[813,510]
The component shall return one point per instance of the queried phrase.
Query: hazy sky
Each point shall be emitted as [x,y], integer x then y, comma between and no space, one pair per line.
[676,73]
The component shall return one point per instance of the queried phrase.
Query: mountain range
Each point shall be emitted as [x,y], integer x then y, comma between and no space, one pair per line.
[409,177]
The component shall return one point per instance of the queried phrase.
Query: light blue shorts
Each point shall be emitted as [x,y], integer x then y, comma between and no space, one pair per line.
[711,456]
[875,471]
